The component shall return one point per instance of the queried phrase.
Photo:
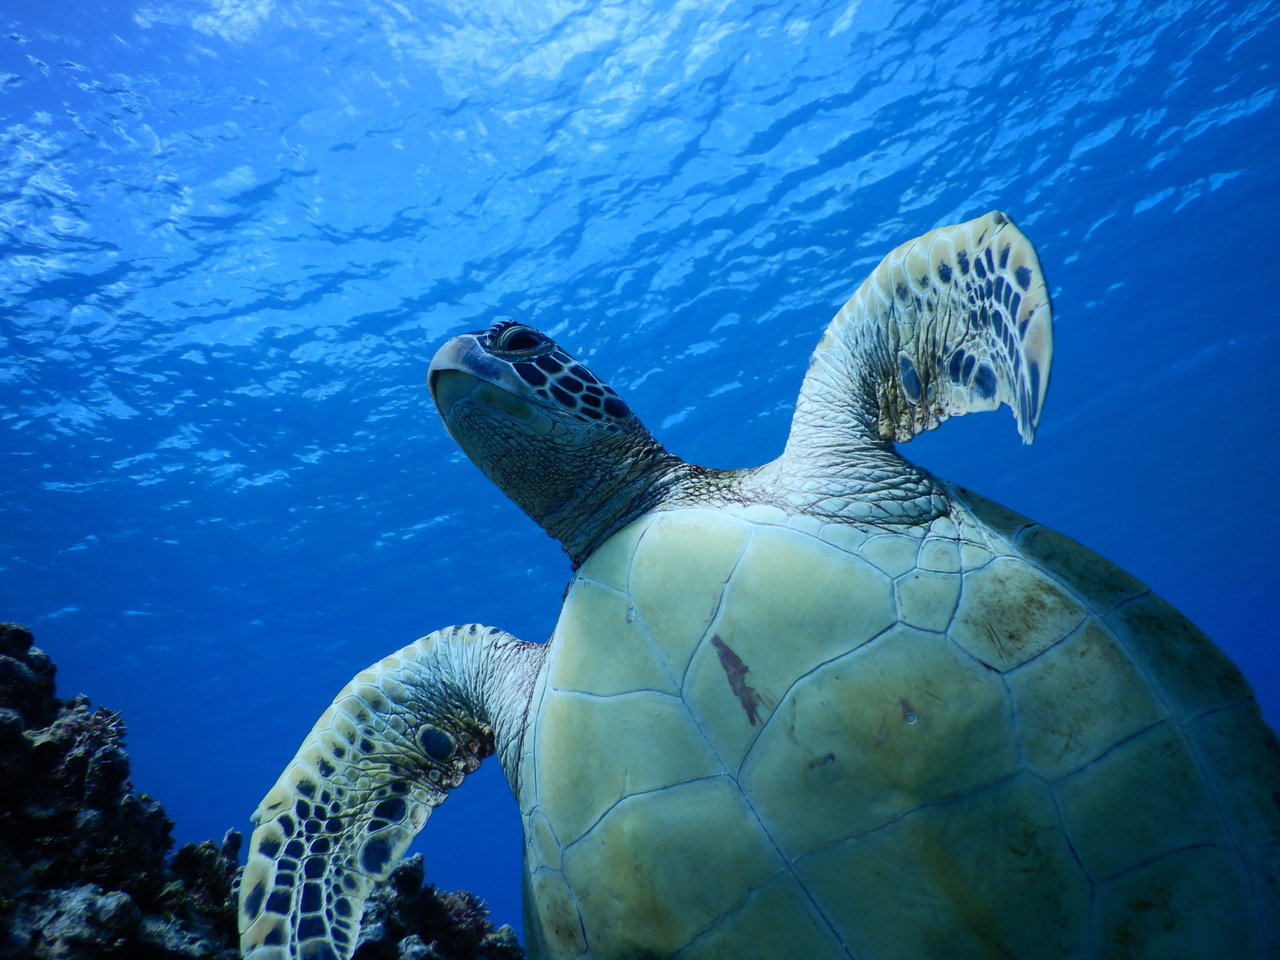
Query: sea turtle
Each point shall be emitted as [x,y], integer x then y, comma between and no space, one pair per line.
[831,707]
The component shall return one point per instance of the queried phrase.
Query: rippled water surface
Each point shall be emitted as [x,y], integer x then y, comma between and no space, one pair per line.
[235,231]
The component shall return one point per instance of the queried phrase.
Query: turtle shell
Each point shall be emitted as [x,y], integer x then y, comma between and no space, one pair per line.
[760,736]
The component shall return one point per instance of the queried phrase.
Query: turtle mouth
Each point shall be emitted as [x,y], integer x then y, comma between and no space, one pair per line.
[450,388]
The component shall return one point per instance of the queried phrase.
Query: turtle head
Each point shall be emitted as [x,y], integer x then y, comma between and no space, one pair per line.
[556,440]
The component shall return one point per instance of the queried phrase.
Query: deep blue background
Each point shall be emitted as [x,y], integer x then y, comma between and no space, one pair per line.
[235,231]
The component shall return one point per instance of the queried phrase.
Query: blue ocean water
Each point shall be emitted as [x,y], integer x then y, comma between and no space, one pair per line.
[235,231]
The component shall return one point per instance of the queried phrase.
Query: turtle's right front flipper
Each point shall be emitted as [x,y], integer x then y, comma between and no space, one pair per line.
[397,738]
[949,323]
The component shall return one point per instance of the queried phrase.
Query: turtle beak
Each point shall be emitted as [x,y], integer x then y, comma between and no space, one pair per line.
[463,372]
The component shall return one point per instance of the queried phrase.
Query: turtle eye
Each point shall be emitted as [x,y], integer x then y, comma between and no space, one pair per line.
[521,341]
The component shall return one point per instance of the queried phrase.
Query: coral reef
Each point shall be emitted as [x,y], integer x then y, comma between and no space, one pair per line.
[85,871]
[404,920]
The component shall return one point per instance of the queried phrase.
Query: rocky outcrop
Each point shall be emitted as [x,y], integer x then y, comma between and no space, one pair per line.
[85,868]
[84,865]
[405,920]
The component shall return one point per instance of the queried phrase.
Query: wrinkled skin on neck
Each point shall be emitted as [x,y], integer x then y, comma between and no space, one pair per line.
[835,465]
[554,438]
[581,486]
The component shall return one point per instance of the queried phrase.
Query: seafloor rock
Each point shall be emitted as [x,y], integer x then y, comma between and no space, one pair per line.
[404,920]
[85,871]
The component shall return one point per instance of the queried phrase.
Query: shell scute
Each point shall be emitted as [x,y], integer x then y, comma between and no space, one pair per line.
[916,721]
[936,903]
[1192,675]
[1010,612]
[1143,799]
[552,914]
[894,553]
[627,870]
[1100,582]
[611,649]
[927,600]
[578,776]
[833,603]
[1079,699]
[1184,906]
[995,517]
[939,555]
[1237,747]
[776,912]
[677,578]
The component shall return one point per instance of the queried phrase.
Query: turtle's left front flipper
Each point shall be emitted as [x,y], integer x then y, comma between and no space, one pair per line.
[392,744]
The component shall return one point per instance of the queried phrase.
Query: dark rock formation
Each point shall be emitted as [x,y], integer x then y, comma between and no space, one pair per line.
[85,871]
[404,920]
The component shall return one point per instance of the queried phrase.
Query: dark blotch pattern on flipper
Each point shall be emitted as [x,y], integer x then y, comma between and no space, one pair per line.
[910,379]
[312,926]
[256,897]
[1023,276]
[374,856]
[392,809]
[984,382]
[435,743]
